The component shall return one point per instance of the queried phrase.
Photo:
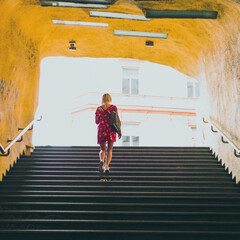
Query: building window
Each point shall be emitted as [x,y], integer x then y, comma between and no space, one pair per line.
[193,90]
[130,81]
[135,140]
[197,90]
[126,140]
[130,140]
[190,89]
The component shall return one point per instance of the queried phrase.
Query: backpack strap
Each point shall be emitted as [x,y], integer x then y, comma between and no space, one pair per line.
[114,108]
[104,110]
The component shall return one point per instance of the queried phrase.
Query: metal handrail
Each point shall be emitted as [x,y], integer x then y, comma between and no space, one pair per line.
[223,136]
[29,127]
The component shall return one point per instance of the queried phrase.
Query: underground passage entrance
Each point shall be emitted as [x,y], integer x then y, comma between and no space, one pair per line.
[160,185]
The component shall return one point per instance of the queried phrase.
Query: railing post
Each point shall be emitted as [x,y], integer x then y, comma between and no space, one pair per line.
[223,140]
[205,120]
[213,130]
[236,154]
[20,140]
[5,154]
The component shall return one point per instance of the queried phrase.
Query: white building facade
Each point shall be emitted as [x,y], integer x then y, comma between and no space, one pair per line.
[157,105]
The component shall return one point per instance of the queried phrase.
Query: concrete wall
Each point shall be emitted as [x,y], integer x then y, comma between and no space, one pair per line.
[220,80]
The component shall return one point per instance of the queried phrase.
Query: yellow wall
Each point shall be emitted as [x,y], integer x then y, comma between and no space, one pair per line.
[201,48]
[19,74]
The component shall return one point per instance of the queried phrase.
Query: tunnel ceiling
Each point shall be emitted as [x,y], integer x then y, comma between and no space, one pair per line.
[188,39]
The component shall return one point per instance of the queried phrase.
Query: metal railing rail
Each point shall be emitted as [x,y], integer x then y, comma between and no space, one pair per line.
[29,127]
[223,136]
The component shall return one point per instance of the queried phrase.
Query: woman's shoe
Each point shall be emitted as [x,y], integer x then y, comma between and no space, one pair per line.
[107,171]
[101,167]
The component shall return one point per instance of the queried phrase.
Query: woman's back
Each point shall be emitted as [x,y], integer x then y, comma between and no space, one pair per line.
[105,133]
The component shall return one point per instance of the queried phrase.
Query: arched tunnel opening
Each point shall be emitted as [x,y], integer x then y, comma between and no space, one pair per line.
[158,105]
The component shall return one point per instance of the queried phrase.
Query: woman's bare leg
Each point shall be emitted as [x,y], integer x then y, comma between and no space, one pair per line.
[109,153]
[102,151]
[102,156]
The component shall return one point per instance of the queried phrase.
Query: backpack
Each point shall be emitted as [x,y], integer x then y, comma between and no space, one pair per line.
[114,121]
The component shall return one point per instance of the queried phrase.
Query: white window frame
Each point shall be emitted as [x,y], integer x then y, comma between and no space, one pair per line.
[131,141]
[195,85]
[130,78]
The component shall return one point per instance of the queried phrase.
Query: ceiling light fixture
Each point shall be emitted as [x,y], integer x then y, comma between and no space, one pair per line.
[104,2]
[73,5]
[118,15]
[140,34]
[92,1]
[76,23]
[72,46]
[149,43]
[181,14]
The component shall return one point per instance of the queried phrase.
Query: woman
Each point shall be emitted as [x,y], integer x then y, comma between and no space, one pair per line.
[105,133]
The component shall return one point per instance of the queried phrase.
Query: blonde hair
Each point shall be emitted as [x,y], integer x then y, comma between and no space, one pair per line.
[106,98]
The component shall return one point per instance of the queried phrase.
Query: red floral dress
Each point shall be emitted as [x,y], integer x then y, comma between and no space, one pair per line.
[105,133]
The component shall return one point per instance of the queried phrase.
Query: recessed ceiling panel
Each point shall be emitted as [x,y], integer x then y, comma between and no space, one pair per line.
[82,1]
[181,14]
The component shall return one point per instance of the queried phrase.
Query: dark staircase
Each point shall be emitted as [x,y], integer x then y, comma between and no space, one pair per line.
[151,193]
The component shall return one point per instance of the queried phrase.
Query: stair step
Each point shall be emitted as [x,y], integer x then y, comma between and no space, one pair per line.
[120,154]
[117,182]
[119,215]
[121,148]
[120,234]
[119,206]
[115,165]
[122,157]
[128,168]
[124,193]
[150,225]
[66,180]
[119,198]
[140,161]
[139,175]
[127,172]
[119,192]
[129,180]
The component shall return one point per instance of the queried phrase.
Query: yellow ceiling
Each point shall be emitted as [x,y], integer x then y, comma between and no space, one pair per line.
[188,39]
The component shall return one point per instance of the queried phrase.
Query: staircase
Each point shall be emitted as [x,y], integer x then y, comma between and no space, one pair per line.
[151,193]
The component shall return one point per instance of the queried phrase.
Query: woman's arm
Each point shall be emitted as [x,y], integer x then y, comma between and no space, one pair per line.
[120,134]
[97,116]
